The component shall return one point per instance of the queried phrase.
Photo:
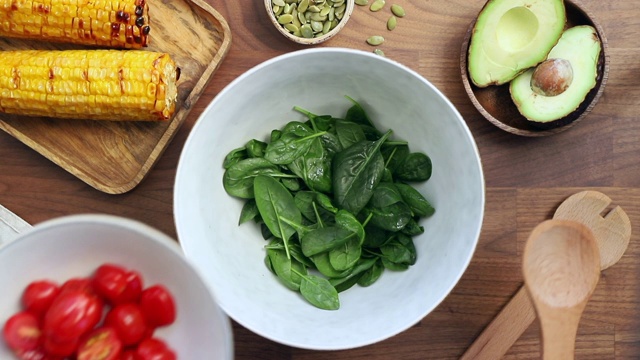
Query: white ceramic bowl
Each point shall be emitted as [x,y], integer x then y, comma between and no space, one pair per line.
[76,245]
[231,257]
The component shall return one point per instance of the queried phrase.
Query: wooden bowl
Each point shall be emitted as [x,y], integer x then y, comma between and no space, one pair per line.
[268,4]
[495,104]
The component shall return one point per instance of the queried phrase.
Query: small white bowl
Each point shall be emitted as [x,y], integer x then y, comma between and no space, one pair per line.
[349,5]
[231,257]
[75,246]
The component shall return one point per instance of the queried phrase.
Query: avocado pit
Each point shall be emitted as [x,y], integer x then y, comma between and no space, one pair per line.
[552,77]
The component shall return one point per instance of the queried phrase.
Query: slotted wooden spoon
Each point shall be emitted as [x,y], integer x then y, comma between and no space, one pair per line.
[561,268]
[612,233]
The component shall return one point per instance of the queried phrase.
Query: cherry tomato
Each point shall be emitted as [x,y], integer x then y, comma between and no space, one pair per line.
[132,291]
[71,315]
[116,284]
[128,322]
[59,348]
[100,344]
[77,284]
[109,281]
[129,355]
[38,296]
[37,354]
[22,332]
[154,349]
[158,306]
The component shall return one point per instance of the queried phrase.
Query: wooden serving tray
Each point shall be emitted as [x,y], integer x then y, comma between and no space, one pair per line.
[113,156]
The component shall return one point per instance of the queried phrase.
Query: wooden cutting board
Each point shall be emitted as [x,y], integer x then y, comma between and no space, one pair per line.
[114,156]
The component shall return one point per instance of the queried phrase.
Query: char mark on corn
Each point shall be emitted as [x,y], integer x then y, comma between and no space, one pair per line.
[106,23]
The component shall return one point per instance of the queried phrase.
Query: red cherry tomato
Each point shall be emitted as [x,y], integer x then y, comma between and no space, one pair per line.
[38,296]
[154,349]
[129,355]
[37,354]
[71,315]
[77,284]
[60,348]
[101,344]
[22,332]
[132,291]
[128,322]
[109,281]
[158,306]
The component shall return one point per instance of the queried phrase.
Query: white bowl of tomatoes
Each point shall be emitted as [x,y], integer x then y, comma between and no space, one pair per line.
[91,287]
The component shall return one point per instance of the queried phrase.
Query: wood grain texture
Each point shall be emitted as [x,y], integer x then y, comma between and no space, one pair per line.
[526,179]
[115,156]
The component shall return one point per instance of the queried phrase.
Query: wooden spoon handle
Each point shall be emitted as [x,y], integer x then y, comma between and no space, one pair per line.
[505,329]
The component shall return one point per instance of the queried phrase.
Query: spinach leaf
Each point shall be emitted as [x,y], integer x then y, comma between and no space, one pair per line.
[345,256]
[349,133]
[275,135]
[323,264]
[324,239]
[356,172]
[348,221]
[238,178]
[400,250]
[385,194]
[291,184]
[345,282]
[372,275]
[275,202]
[357,114]
[394,155]
[319,292]
[255,148]
[413,228]
[306,202]
[392,218]
[284,267]
[412,197]
[375,236]
[415,167]
[234,156]
[295,140]
[249,211]
[314,167]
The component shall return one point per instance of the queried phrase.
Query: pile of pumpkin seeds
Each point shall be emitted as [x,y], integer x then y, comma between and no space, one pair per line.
[309,18]
[397,11]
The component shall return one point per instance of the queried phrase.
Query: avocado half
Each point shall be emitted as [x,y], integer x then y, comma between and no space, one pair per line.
[511,36]
[580,46]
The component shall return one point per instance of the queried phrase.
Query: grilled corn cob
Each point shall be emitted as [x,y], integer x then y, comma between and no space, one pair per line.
[108,23]
[89,84]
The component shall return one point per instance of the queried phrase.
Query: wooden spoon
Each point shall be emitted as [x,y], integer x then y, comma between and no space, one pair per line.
[561,267]
[612,233]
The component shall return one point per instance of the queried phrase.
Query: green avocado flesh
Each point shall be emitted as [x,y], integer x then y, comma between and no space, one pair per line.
[580,46]
[512,35]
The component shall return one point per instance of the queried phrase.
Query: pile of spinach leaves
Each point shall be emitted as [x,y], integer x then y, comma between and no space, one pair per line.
[332,197]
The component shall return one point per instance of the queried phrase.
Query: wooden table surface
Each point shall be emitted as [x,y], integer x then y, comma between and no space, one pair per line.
[526,178]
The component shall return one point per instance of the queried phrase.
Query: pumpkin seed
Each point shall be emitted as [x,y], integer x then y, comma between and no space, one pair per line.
[301,17]
[306,31]
[287,9]
[326,27]
[332,14]
[378,52]
[338,3]
[314,9]
[377,5]
[392,22]
[292,28]
[285,19]
[375,40]
[317,17]
[362,2]
[316,26]
[397,10]
[278,2]
[325,10]
[277,10]
[303,5]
